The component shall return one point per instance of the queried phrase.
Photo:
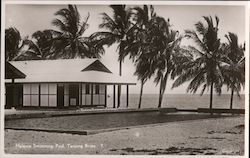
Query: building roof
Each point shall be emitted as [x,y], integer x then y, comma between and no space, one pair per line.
[11,72]
[68,70]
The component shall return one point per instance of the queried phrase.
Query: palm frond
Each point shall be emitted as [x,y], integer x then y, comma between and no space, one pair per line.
[108,23]
[105,38]
[84,26]
[60,24]
[201,29]
[197,40]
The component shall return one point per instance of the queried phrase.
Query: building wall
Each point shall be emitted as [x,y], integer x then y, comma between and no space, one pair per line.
[45,95]
[93,94]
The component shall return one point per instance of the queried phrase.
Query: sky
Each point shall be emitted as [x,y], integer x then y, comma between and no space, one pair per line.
[28,18]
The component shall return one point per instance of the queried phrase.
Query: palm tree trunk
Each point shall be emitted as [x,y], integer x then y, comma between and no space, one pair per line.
[160,95]
[231,100]
[142,84]
[211,98]
[119,86]
[120,67]
[163,87]
[160,101]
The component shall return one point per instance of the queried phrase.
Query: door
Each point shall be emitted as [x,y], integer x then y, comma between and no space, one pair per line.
[18,101]
[73,95]
[60,95]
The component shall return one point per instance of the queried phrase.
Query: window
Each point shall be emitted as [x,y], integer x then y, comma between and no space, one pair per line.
[101,89]
[66,94]
[48,94]
[30,95]
[87,89]
[52,94]
[93,94]
[97,89]
[44,88]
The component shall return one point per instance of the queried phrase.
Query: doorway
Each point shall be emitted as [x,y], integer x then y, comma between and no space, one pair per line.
[60,95]
[73,95]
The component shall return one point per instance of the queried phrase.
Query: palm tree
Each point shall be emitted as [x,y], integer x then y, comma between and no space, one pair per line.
[40,46]
[69,42]
[205,67]
[118,27]
[138,44]
[166,47]
[143,70]
[234,69]
[144,16]
[13,44]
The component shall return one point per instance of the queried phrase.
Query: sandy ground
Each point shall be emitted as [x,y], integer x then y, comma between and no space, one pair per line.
[221,136]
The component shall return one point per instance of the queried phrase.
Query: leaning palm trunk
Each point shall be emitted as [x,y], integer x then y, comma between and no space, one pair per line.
[160,100]
[162,89]
[142,84]
[231,100]
[211,98]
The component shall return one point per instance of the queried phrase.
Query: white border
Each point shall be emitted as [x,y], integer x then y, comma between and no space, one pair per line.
[226,3]
[127,2]
[2,80]
[247,80]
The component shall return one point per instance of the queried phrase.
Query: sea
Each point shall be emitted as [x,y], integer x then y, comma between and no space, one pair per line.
[180,101]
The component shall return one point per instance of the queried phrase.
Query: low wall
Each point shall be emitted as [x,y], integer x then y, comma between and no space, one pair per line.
[233,111]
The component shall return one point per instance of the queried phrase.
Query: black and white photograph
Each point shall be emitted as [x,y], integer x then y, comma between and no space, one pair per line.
[124,78]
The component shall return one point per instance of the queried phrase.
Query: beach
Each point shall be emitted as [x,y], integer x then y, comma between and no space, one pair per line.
[213,136]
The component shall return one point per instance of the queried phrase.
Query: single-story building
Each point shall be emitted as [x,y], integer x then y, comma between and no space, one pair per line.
[64,83]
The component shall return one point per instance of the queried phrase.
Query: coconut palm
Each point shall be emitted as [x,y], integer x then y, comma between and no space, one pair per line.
[39,47]
[234,69]
[117,29]
[154,45]
[144,70]
[144,15]
[205,68]
[144,67]
[69,42]
[138,37]
[166,46]
[139,44]
[13,44]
